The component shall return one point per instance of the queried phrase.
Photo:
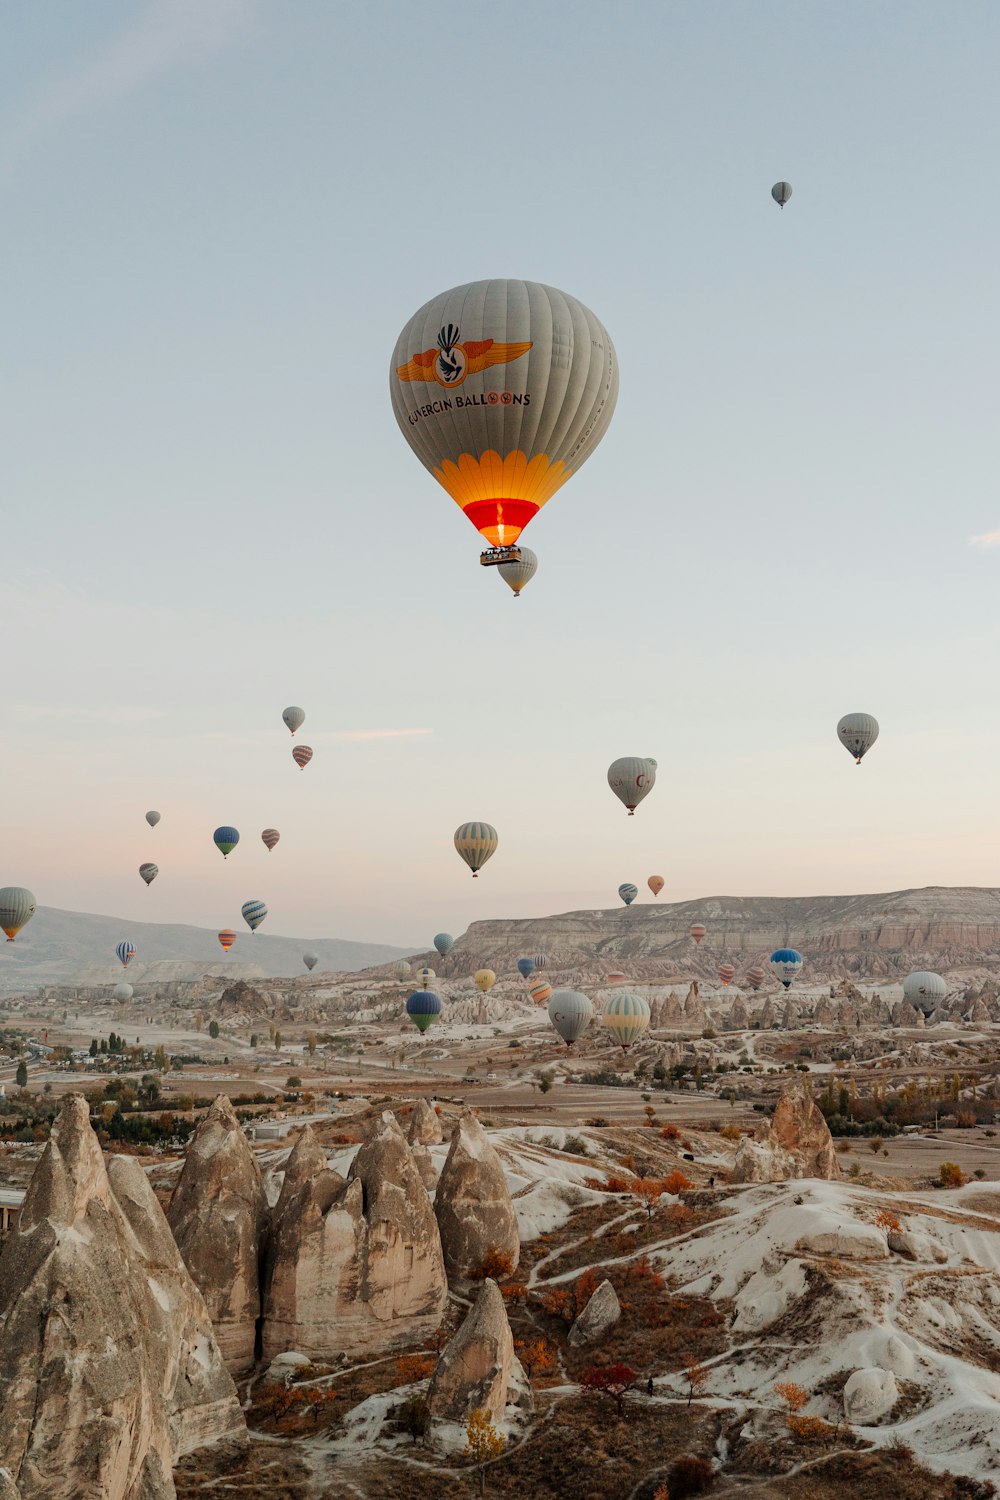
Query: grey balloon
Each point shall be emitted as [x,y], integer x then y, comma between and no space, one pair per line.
[294,718]
[123,991]
[310,959]
[149,873]
[570,1012]
[152,818]
[631,778]
[17,907]
[858,733]
[516,574]
[924,991]
[781,192]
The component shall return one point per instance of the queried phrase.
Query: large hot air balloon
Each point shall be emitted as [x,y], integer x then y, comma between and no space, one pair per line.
[516,574]
[525,967]
[125,952]
[294,718]
[858,733]
[540,991]
[226,839]
[152,818]
[425,976]
[727,973]
[269,837]
[924,991]
[628,892]
[503,389]
[476,842]
[422,1008]
[570,1012]
[625,1015]
[656,884]
[786,963]
[485,979]
[227,938]
[17,907]
[697,931]
[401,970]
[755,977]
[149,873]
[302,755]
[123,991]
[253,913]
[443,941]
[310,960]
[781,192]
[631,778]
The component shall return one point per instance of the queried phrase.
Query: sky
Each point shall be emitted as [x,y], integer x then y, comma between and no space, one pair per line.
[218,215]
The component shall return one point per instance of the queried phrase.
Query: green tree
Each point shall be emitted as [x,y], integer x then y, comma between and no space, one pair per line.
[253,1038]
[160,1059]
[93,1046]
[277,1040]
[213,1029]
[21,1076]
[546,1080]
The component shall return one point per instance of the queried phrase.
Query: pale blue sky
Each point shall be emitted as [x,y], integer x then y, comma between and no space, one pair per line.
[217,216]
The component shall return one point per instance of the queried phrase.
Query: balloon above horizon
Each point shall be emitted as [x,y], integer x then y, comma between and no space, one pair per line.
[628,892]
[226,839]
[781,192]
[516,575]
[443,941]
[631,778]
[858,733]
[17,907]
[656,884]
[476,843]
[503,389]
[227,938]
[302,755]
[270,837]
[294,718]
[152,818]
[253,913]
[149,873]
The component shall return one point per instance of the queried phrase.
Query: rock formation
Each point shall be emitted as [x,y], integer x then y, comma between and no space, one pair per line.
[738,1018]
[473,1206]
[478,1367]
[425,1126]
[356,1266]
[218,1215]
[869,1395]
[600,1315]
[242,999]
[797,1144]
[109,1370]
[424,1163]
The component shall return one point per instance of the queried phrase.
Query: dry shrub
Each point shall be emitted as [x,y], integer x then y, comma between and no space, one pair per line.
[887,1221]
[670,1132]
[514,1291]
[414,1367]
[496,1263]
[676,1183]
[731,1133]
[950,1175]
[690,1474]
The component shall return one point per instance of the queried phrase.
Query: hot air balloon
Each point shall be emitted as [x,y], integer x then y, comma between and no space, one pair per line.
[227,938]
[615,977]
[857,733]
[540,960]
[401,970]
[625,1015]
[269,837]
[476,842]
[540,991]
[755,977]
[503,389]
[924,991]
[697,931]
[525,967]
[781,192]
[425,976]
[443,941]
[310,960]
[152,818]
[253,913]
[125,952]
[631,778]
[628,892]
[570,1012]
[485,979]
[727,973]
[123,991]
[226,839]
[302,755]
[149,873]
[422,1008]
[17,907]
[655,883]
[516,574]
[294,718]
[786,963]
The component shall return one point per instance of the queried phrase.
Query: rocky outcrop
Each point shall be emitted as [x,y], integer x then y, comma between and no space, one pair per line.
[600,1315]
[478,1368]
[357,1266]
[798,1144]
[424,1163]
[425,1126]
[473,1206]
[109,1370]
[869,1395]
[219,1215]
[738,1018]
[242,999]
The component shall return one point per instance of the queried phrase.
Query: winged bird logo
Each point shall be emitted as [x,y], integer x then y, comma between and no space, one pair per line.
[451,361]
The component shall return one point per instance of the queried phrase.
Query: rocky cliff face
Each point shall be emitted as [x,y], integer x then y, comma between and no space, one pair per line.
[473,1205]
[798,1144]
[478,1368]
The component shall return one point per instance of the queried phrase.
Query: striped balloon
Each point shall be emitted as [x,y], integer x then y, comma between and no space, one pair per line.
[294,718]
[628,892]
[227,938]
[616,977]
[149,873]
[270,837]
[570,1012]
[540,991]
[226,839]
[540,960]
[422,1008]
[631,778]
[697,931]
[401,970]
[425,976]
[125,952]
[17,907]
[476,843]
[302,755]
[625,1016]
[253,913]
[656,884]
[727,973]
[525,967]
[152,818]
[755,977]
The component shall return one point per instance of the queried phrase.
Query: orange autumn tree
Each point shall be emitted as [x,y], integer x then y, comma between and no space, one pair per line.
[536,1355]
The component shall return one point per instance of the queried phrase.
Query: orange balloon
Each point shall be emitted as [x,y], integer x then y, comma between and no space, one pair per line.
[656,884]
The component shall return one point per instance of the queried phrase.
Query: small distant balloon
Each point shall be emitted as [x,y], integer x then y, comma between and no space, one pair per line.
[425,976]
[631,778]
[786,963]
[628,892]
[401,970]
[294,718]
[149,873]
[755,977]
[302,755]
[858,733]
[125,952]
[226,839]
[540,960]
[123,991]
[617,976]
[540,991]
[625,1015]
[17,907]
[525,967]
[781,192]
[570,1012]
[443,941]
[727,973]
[697,931]
[310,960]
[485,979]
[152,818]
[516,574]
[476,843]
[423,1007]
[227,938]
[656,884]
[253,913]
[270,837]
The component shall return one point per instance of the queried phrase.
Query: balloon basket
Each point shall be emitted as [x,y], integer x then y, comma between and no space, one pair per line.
[493,556]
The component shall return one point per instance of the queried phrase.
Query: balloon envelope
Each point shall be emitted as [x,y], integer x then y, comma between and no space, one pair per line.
[786,963]
[425,976]
[422,1007]
[310,960]
[503,389]
[125,952]
[401,969]
[516,574]
[540,991]
[226,839]
[781,192]
[302,755]
[656,884]
[149,873]
[628,892]
[540,960]
[253,913]
[625,1015]
[270,837]
[617,976]
[486,979]
[697,931]
[727,973]
[17,907]
[858,733]
[123,991]
[476,843]
[570,1012]
[631,778]
[525,966]
[152,818]
[755,977]
[227,938]
[443,941]
[294,718]
[924,991]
